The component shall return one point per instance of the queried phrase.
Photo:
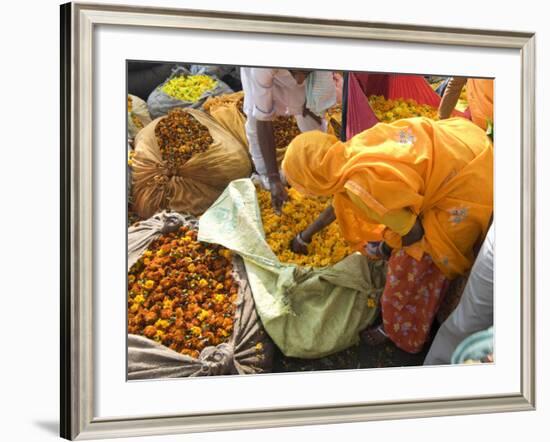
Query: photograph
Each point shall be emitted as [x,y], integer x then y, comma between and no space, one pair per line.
[286,219]
[281,220]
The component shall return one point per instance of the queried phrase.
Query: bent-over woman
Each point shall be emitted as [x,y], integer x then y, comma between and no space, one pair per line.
[417,191]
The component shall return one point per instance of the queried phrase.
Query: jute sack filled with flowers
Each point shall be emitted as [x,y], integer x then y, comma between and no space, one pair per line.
[182,89]
[190,309]
[184,167]
[138,115]
[227,110]
[309,312]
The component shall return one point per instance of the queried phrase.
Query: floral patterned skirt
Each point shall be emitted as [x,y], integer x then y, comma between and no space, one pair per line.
[413,292]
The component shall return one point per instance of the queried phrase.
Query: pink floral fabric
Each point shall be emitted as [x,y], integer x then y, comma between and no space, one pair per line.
[413,292]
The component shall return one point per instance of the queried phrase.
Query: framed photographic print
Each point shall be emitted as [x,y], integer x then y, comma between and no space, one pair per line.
[272,221]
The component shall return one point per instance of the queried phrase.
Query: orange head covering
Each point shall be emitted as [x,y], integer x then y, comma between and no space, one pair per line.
[480,92]
[310,163]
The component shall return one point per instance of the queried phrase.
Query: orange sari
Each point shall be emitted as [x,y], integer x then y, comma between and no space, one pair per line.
[438,171]
[479,93]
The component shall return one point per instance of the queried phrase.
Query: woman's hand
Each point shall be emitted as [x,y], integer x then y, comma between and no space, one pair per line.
[299,245]
[371,249]
[414,235]
[378,249]
[279,194]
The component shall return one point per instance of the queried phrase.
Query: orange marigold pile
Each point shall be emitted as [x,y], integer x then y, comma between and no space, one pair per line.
[182,294]
[225,100]
[180,136]
[285,129]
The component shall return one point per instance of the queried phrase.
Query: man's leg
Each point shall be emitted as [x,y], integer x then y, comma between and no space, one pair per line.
[254,144]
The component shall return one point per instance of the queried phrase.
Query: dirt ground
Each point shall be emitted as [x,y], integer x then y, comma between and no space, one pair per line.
[359,356]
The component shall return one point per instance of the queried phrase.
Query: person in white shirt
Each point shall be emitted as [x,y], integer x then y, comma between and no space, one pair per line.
[474,311]
[269,93]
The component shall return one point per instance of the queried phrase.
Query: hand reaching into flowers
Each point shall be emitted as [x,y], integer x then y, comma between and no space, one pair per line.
[299,245]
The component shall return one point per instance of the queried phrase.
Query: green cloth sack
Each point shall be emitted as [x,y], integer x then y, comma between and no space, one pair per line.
[308,312]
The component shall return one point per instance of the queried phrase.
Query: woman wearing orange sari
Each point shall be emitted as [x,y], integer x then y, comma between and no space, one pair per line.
[423,189]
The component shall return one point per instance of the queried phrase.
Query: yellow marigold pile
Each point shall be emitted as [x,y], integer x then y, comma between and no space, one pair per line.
[180,136]
[388,111]
[327,247]
[189,88]
[181,293]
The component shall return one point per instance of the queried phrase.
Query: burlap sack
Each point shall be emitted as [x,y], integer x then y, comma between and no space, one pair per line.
[308,312]
[225,110]
[194,186]
[138,116]
[249,350]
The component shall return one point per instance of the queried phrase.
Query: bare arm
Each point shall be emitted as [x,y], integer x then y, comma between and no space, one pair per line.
[326,218]
[299,243]
[266,139]
[450,96]
[414,235]
[382,250]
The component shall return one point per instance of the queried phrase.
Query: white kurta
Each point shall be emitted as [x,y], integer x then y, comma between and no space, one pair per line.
[269,93]
[474,311]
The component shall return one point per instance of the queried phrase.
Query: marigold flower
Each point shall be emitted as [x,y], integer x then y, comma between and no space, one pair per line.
[158,335]
[149,331]
[203,315]
[218,298]
[162,323]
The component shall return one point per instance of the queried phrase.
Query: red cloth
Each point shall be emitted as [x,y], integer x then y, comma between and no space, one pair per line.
[360,115]
[394,86]
[412,295]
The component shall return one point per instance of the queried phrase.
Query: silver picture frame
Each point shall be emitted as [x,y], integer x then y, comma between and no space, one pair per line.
[77,389]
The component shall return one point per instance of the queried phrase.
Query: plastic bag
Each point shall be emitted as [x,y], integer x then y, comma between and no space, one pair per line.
[309,313]
[194,186]
[248,351]
[159,103]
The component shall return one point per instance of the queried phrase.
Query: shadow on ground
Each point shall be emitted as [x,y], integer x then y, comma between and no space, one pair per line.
[359,356]
[51,427]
